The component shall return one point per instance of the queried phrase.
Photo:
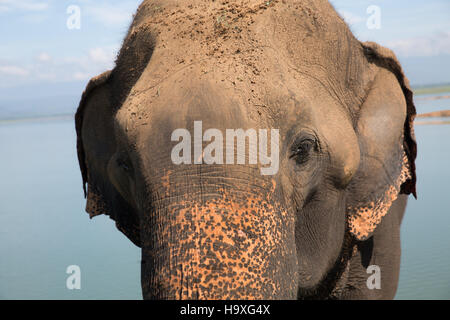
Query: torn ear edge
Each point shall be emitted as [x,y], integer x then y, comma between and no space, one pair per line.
[92,85]
[385,58]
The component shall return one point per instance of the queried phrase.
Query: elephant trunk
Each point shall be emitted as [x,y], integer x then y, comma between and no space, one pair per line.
[204,240]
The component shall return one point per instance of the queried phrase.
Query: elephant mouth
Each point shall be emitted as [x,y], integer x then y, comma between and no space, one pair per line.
[233,246]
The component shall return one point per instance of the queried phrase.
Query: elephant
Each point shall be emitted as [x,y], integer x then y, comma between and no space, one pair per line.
[340,114]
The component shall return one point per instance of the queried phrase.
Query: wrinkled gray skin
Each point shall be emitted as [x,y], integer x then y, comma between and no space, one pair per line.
[344,111]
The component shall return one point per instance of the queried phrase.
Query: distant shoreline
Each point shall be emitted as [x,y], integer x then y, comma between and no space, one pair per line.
[431,90]
[38,119]
[434,97]
[435,114]
[432,122]
[418,91]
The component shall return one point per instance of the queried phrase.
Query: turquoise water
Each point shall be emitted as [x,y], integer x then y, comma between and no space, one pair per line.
[43,227]
[424,272]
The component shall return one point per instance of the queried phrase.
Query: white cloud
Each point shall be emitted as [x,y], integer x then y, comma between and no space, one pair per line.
[436,44]
[111,15]
[47,76]
[47,68]
[27,5]
[44,57]
[11,70]
[81,76]
[95,61]
[102,56]
[350,18]
[4,8]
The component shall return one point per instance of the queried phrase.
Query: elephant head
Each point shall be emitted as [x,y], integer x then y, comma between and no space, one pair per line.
[340,116]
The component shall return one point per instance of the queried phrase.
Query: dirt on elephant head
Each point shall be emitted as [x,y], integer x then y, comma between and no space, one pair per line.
[245,46]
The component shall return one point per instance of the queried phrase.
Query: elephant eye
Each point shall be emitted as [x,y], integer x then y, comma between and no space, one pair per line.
[302,150]
[123,164]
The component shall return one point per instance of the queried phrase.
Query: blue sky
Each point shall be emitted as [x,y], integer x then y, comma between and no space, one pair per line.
[37,48]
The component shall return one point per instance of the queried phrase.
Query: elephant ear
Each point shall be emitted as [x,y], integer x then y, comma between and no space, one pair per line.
[96,145]
[387,144]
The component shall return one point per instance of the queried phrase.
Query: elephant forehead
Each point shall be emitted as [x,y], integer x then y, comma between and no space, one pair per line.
[228,247]
[190,31]
[307,27]
[245,47]
[185,10]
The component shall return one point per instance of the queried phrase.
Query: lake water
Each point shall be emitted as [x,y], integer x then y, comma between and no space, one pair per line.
[43,227]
